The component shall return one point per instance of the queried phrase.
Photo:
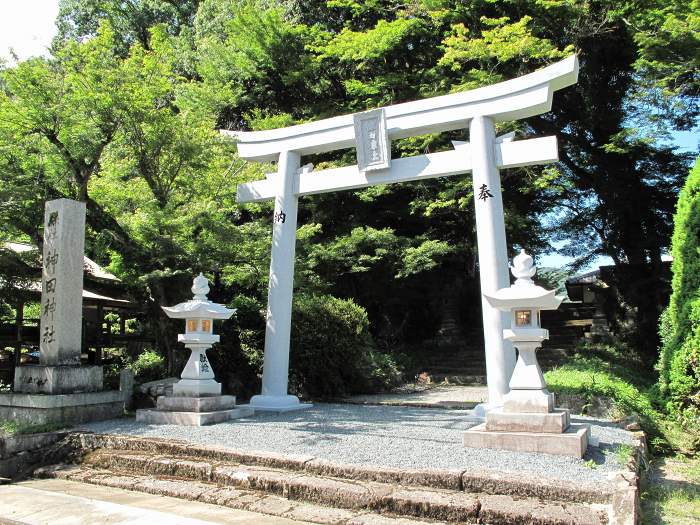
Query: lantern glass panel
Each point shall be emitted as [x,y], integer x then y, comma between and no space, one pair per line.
[523,317]
[206,325]
[192,325]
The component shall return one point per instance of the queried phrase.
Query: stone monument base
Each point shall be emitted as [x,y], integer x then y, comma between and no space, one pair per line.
[572,442]
[193,411]
[42,379]
[66,409]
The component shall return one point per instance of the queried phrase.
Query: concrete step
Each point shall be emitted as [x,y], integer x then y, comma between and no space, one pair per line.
[57,501]
[315,497]
[490,482]
[370,493]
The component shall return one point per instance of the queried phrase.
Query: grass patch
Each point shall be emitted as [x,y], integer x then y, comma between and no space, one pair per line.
[12,428]
[591,464]
[671,487]
[592,376]
[623,453]
[606,373]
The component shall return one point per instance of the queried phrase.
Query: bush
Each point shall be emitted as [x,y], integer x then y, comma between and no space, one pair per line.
[332,352]
[149,366]
[679,360]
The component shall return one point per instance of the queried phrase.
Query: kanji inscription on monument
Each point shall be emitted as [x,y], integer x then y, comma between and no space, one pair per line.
[62,283]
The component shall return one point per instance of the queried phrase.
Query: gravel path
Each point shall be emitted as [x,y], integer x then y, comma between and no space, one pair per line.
[438,396]
[404,437]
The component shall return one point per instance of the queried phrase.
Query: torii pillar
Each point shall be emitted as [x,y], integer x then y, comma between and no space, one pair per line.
[274,396]
[493,258]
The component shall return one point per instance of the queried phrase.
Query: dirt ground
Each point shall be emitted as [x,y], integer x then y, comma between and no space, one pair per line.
[671,492]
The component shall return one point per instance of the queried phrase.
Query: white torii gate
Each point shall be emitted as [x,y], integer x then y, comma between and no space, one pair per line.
[371,133]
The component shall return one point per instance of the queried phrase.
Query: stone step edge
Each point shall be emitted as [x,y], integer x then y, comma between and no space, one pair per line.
[337,492]
[487,482]
[230,497]
[396,502]
[352,494]
[327,490]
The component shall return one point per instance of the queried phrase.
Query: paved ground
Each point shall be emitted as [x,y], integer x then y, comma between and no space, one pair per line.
[438,396]
[59,502]
[403,437]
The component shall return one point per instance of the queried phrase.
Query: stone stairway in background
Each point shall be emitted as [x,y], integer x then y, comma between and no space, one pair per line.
[458,357]
[568,326]
[320,491]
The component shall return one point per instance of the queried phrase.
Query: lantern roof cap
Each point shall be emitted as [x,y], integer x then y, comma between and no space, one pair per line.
[524,293]
[199,307]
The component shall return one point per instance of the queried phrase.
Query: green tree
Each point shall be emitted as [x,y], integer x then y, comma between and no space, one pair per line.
[679,363]
[132,20]
[125,135]
[614,190]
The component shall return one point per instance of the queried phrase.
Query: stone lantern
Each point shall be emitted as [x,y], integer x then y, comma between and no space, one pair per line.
[197,378]
[528,420]
[524,300]
[196,398]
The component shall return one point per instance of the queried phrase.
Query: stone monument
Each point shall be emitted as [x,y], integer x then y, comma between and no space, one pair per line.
[528,421]
[59,389]
[59,371]
[196,399]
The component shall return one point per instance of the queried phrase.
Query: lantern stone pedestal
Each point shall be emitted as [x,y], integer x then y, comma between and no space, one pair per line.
[196,399]
[528,421]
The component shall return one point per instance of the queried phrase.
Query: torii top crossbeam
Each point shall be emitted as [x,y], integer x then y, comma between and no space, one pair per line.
[514,99]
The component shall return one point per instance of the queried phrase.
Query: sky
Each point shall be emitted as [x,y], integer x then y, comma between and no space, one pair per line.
[27,27]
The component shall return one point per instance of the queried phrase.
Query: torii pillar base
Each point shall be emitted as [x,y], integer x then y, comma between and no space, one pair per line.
[289,403]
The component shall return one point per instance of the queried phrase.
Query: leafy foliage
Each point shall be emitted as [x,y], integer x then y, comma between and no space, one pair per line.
[332,352]
[149,366]
[679,362]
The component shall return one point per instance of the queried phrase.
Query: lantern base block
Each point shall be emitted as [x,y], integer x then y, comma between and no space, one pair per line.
[266,403]
[196,404]
[554,423]
[196,388]
[572,442]
[192,419]
[193,411]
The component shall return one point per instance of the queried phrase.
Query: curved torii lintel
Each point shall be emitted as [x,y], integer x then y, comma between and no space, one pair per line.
[514,99]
